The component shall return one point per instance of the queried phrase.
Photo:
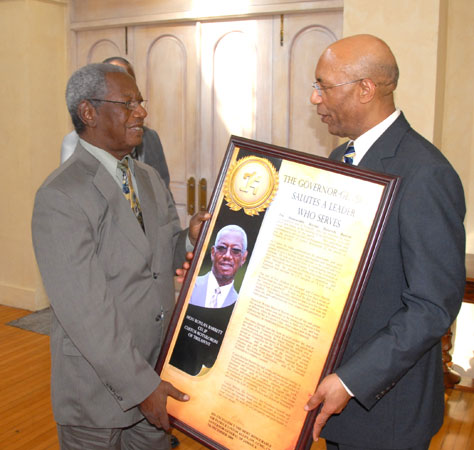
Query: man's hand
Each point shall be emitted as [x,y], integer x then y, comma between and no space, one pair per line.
[154,406]
[195,225]
[334,398]
[181,272]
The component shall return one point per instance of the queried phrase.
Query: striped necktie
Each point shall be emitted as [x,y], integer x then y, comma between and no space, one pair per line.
[215,296]
[349,154]
[129,191]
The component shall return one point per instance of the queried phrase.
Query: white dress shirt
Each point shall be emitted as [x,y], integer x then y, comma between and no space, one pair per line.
[365,141]
[212,285]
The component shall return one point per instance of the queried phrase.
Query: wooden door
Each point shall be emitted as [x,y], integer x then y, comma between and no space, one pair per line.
[206,81]
[236,80]
[295,123]
[256,78]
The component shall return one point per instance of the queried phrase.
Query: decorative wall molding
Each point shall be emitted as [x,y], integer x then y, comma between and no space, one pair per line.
[224,11]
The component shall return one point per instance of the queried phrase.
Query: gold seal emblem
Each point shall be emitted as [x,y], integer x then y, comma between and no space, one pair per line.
[251,183]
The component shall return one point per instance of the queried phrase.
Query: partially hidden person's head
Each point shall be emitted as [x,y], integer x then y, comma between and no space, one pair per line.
[121,62]
[106,108]
[228,253]
[355,80]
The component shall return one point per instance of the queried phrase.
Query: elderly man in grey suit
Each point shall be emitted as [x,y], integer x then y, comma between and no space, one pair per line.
[107,240]
[149,151]
[388,391]
[216,288]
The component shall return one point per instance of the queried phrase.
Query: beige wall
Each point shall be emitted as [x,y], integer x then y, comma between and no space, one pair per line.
[433,43]
[32,120]
[410,28]
[458,115]
[432,40]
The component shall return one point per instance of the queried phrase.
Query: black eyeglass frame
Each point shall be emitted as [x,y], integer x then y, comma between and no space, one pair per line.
[131,105]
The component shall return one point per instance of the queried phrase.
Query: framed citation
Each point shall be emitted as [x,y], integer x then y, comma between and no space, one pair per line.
[289,249]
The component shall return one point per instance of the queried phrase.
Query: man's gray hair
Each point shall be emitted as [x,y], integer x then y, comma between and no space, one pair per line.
[86,83]
[233,228]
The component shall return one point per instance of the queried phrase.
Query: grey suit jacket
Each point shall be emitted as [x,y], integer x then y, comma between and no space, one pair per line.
[392,362]
[200,291]
[111,288]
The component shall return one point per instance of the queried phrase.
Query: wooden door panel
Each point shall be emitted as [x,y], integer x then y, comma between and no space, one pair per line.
[295,121]
[165,59]
[96,45]
[235,87]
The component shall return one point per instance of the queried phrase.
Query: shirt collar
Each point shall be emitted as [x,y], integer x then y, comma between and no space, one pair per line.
[106,159]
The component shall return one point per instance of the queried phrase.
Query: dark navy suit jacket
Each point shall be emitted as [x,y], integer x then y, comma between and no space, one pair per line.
[392,362]
[153,153]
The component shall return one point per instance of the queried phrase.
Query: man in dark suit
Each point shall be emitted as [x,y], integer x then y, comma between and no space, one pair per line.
[107,240]
[149,151]
[216,289]
[388,390]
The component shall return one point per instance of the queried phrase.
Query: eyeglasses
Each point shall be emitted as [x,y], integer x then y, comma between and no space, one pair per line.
[131,105]
[316,85]
[222,250]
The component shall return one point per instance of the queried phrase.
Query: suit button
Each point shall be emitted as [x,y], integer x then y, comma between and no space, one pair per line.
[155,275]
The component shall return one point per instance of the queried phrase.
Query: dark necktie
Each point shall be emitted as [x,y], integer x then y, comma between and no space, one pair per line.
[129,192]
[349,154]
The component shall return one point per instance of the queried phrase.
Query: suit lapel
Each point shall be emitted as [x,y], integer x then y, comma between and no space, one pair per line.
[148,204]
[336,154]
[122,214]
[385,147]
